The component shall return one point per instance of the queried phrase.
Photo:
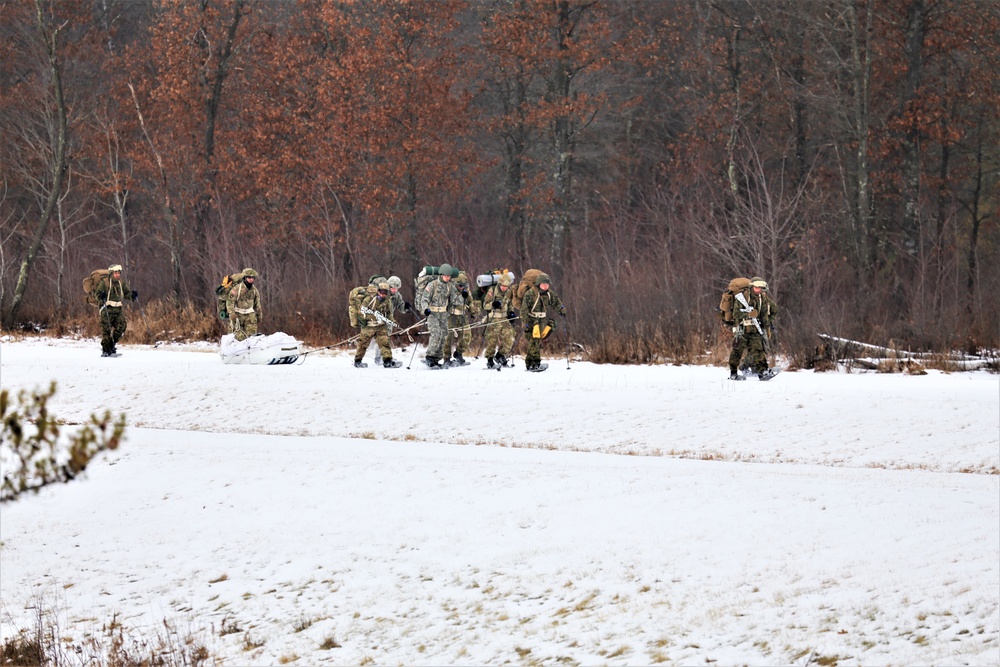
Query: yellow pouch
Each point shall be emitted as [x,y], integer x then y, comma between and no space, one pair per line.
[535,333]
[546,330]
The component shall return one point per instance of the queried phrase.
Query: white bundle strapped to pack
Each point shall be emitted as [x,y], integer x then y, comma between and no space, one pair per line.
[274,349]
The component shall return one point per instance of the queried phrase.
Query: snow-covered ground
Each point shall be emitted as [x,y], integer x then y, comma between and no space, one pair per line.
[322,514]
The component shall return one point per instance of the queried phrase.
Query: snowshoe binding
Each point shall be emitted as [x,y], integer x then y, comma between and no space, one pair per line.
[360,364]
[768,374]
[391,363]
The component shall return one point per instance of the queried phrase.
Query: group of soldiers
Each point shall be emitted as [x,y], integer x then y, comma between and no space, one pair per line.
[451,308]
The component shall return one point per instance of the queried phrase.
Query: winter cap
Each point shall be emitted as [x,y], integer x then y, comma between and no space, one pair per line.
[394,281]
[543,278]
[505,279]
[757,281]
[249,273]
[462,279]
[115,267]
[383,287]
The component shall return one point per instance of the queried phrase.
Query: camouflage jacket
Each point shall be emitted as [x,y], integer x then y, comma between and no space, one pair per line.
[537,307]
[762,307]
[374,311]
[441,297]
[111,293]
[505,297]
[243,299]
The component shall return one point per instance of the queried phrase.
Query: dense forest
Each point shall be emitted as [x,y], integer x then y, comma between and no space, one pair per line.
[642,152]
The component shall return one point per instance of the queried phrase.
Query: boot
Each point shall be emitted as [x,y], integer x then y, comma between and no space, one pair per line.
[105,353]
[391,363]
[489,362]
[433,362]
[733,375]
[360,364]
[501,360]
[459,358]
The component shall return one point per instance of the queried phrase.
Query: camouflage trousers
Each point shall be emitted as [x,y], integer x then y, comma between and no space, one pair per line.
[113,326]
[381,336]
[243,325]
[533,355]
[460,338]
[751,343]
[437,326]
[499,338]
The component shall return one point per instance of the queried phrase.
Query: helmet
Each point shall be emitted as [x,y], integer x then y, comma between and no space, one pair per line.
[505,279]
[249,273]
[445,270]
[543,278]
[757,281]
[394,281]
[115,267]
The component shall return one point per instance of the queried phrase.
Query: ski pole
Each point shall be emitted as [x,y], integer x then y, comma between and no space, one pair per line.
[412,354]
[567,345]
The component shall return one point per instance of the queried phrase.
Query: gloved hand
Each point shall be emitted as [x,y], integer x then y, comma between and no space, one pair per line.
[562,310]
[511,316]
[427,311]
[135,295]
[407,306]
[527,329]
[551,324]
[496,304]
[102,295]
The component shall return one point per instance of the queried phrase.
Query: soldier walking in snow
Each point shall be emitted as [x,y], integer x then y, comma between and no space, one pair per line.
[243,306]
[538,306]
[110,291]
[754,314]
[499,313]
[437,299]
[375,318]
[459,329]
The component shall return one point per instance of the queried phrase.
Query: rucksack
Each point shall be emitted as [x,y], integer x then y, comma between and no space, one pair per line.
[485,281]
[354,301]
[90,282]
[736,285]
[527,282]
[222,291]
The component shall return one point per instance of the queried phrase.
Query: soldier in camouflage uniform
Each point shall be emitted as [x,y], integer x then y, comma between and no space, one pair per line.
[538,307]
[747,339]
[375,319]
[459,329]
[436,300]
[398,302]
[499,314]
[110,291]
[243,306]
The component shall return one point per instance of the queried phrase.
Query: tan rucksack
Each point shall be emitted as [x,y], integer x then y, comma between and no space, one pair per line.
[90,282]
[354,301]
[736,285]
[527,282]
[222,292]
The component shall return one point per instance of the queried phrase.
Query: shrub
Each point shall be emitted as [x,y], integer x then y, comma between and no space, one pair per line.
[33,455]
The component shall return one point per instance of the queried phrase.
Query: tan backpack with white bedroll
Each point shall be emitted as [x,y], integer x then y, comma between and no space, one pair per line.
[90,282]
[736,285]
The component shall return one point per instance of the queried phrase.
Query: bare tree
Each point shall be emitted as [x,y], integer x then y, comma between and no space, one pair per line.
[57,145]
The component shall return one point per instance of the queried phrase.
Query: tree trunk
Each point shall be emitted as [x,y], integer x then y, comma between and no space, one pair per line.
[57,164]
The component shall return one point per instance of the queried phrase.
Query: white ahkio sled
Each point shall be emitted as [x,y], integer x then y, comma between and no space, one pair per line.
[272,350]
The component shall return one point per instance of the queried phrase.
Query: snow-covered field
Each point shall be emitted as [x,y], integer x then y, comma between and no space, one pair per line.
[321,514]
